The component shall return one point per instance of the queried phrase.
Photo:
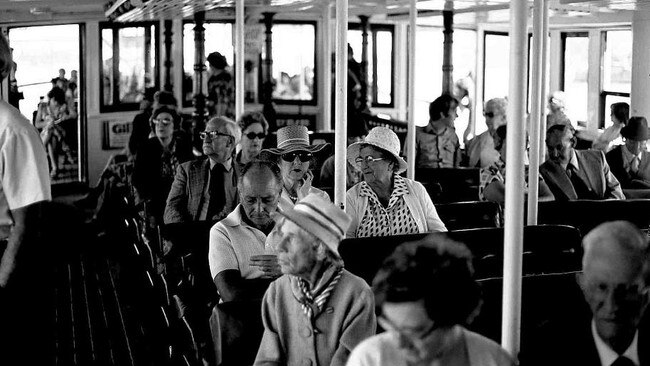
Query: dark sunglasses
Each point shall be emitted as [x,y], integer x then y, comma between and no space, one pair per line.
[252,135]
[303,156]
[489,114]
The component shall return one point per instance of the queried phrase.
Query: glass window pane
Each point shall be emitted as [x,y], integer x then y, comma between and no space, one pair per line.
[576,64]
[497,67]
[617,61]
[609,100]
[131,66]
[428,71]
[107,65]
[218,37]
[384,67]
[293,67]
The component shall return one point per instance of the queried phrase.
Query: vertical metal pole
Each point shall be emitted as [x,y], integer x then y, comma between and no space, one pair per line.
[199,78]
[239,59]
[269,109]
[341,107]
[327,67]
[514,208]
[447,53]
[410,135]
[535,114]
[545,83]
[169,85]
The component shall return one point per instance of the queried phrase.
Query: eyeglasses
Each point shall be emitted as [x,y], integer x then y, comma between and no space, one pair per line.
[163,121]
[259,135]
[626,292]
[409,337]
[303,156]
[489,114]
[368,159]
[212,134]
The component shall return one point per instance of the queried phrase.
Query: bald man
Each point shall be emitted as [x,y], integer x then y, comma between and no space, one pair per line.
[614,282]
[206,190]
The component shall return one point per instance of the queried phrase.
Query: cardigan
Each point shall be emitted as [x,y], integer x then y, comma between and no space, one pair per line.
[417,200]
[347,318]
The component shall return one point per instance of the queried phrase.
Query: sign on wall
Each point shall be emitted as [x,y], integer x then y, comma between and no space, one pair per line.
[115,134]
[289,119]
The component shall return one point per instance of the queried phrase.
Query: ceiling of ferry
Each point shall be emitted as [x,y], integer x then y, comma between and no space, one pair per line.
[47,10]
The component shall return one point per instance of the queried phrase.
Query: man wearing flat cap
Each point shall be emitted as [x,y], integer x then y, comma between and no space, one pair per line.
[630,163]
[317,312]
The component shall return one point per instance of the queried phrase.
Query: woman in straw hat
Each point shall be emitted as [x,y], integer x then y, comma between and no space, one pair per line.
[295,156]
[317,312]
[385,203]
[630,163]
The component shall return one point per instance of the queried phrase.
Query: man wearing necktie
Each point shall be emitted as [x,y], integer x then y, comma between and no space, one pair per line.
[630,162]
[206,190]
[614,282]
[576,174]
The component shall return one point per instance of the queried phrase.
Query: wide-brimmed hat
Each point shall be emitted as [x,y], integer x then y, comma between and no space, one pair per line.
[321,218]
[294,138]
[382,138]
[636,129]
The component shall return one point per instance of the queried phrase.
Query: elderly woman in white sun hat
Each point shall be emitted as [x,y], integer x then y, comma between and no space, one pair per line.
[385,203]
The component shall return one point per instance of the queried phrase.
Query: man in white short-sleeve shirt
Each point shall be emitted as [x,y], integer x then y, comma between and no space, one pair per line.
[24,182]
[242,244]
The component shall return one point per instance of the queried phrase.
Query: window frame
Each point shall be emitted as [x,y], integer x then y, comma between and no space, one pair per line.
[603,113]
[260,78]
[188,103]
[373,29]
[120,106]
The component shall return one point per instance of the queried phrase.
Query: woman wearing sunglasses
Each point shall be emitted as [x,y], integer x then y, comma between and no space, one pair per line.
[156,161]
[295,158]
[254,129]
[427,294]
[386,203]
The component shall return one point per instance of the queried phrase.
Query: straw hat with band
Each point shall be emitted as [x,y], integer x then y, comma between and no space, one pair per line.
[384,139]
[294,138]
[321,218]
[636,129]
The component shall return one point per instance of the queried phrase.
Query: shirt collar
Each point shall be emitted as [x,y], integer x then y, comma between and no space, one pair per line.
[573,161]
[234,218]
[227,165]
[608,355]
[429,129]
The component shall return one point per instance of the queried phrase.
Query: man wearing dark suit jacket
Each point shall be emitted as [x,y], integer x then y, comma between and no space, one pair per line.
[614,281]
[576,174]
[630,163]
[207,189]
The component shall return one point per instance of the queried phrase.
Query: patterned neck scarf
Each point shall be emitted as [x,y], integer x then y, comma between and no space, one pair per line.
[315,299]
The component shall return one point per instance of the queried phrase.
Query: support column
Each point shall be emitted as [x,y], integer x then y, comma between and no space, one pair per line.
[410,134]
[447,53]
[513,232]
[326,96]
[365,27]
[341,106]
[267,86]
[199,114]
[169,85]
[239,59]
[640,66]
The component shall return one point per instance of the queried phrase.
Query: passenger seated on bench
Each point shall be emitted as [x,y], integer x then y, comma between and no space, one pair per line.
[241,256]
[317,312]
[630,163]
[385,203]
[492,186]
[576,174]
[614,281]
[427,293]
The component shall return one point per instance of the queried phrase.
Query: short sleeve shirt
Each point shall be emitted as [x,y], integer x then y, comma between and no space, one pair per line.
[395,219]
[233,243]
[436,150]
[23,164]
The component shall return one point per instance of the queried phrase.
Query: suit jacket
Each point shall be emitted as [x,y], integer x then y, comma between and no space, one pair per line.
[569,341]
[190,192]
[592,169]
[617,165]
